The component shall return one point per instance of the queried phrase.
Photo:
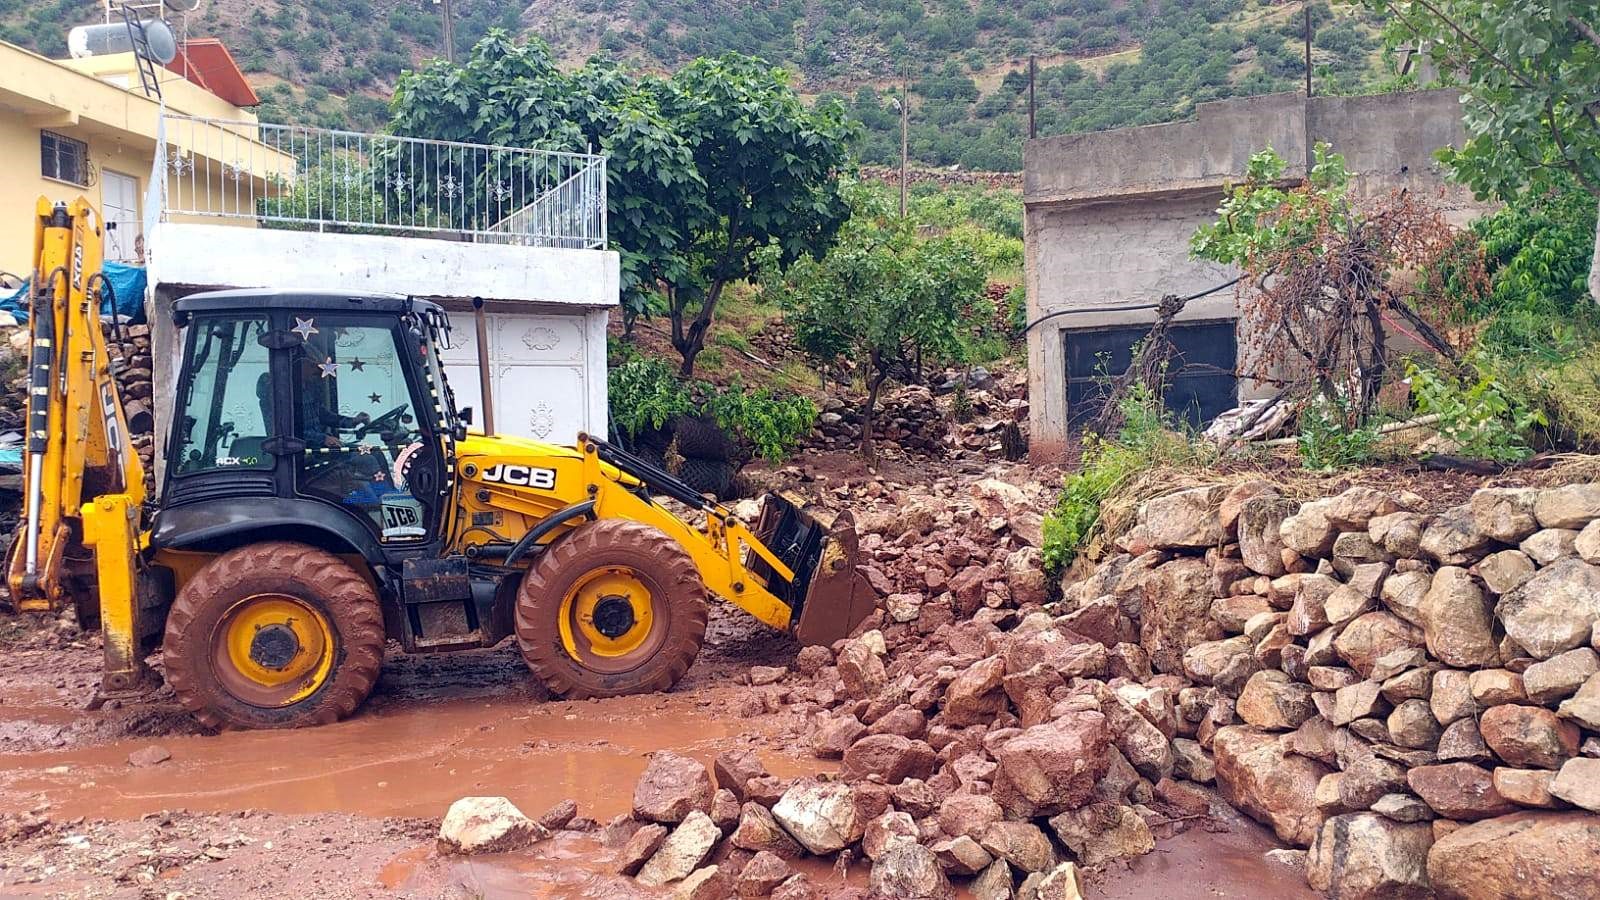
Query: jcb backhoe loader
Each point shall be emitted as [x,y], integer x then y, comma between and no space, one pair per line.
[322,494]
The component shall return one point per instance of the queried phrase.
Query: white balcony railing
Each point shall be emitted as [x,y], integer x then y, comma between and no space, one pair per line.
[317,179]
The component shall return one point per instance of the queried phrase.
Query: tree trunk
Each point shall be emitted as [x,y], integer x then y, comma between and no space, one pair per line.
[868,411]
[1594,268]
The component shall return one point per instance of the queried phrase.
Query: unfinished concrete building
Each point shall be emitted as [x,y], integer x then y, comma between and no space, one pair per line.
[1108,217]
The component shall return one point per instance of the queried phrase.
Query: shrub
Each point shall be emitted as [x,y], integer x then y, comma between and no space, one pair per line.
[1481,420]
[1148,438]
[646,394]
[1330,439]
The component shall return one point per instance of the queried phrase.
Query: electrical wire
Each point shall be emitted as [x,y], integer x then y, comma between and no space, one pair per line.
[1114,309]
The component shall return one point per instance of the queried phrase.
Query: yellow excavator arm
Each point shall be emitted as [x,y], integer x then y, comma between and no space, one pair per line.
[84,481]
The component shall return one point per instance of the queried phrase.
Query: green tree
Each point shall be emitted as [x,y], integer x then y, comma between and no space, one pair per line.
[706,169]
[1529,72]
[885,299]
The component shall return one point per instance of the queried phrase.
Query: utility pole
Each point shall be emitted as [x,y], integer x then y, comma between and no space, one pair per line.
[905,141]
[449,31]
[1307,8]
[1033,129]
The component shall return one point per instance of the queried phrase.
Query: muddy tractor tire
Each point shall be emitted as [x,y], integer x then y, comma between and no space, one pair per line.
[616,607]
[273,635]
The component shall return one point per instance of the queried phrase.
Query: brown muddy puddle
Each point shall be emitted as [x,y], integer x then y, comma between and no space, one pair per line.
[411,760]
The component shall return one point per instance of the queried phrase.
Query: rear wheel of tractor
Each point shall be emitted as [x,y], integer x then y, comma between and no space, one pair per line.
[616,607]
[274,635]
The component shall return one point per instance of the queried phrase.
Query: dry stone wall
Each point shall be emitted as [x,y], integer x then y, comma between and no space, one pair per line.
[1413,698]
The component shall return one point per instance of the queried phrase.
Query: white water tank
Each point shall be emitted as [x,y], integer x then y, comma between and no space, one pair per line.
[102,40]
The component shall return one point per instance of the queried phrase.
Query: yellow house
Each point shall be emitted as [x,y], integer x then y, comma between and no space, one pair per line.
[86,126]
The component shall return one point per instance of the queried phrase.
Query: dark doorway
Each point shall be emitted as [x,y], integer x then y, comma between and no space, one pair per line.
[1201,380]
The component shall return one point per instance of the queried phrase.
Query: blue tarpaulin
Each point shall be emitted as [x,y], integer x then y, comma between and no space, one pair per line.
[127,285]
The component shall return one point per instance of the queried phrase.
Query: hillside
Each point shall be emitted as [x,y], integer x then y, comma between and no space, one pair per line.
[1102,63]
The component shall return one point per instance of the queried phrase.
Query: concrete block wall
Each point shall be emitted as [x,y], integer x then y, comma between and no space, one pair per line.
[1108,215]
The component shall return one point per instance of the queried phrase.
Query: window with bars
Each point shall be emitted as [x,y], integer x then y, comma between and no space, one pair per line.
[63,158]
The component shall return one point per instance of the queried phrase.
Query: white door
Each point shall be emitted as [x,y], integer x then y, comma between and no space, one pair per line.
[119,199]
[537,373]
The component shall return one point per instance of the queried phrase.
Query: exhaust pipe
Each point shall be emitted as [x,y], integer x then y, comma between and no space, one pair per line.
[482,324]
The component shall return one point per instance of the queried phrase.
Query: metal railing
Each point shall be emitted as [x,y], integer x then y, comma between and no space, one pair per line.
[317,179]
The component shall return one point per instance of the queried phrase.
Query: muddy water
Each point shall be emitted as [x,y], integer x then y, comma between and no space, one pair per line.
[411,760]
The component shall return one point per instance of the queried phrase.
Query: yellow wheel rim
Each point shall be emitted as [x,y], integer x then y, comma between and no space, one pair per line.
[607,619]
[273,650]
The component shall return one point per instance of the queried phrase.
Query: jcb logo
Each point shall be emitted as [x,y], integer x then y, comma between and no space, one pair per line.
[522,476]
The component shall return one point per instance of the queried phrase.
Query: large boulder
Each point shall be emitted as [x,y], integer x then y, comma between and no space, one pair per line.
[759,832]
[1560,676]
[1177,612]
[1185,519]
[682,852]
[890,757]
[1459,791]
[1584,706]
[1578,783]
[1555,610]
[1053,767]
[1309,532]
[1257,773]
[1453,538]
[821,816]
[1545,855]
[1260,533]
[1505,514]
[1373,636]
[486,825]
[907,869]
[1366,856]
[1103,832]
[1458,620]
[671,787]
[975,696]
[1528,736]
[1272,701]
[1572,506]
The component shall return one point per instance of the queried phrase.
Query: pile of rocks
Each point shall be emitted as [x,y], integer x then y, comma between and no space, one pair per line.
[1415,698]
[981,739]
[939,555]
[131,366]
[906,419]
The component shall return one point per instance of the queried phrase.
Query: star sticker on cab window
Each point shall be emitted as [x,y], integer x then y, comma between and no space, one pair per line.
[304,327]
[357,365]
[328,367]
[375,398]
[364,450]
[379,476]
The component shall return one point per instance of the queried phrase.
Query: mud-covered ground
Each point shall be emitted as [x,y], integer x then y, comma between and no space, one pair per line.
[134,800]
[351,810]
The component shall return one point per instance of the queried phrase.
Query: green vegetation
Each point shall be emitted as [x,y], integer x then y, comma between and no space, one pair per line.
[1330,438]
[1481,420]
[711,171]
[886,299]
[647,396]
[1104,63]
[1149,439]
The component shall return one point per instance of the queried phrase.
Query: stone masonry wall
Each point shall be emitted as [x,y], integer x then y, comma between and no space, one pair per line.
[1414,698]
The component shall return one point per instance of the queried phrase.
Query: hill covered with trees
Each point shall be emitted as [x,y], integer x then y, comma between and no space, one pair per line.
[1102,63]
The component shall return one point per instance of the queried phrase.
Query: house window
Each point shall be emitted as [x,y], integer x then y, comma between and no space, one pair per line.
[63,158]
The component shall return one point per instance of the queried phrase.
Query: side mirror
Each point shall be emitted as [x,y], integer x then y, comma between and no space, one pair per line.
[465,415]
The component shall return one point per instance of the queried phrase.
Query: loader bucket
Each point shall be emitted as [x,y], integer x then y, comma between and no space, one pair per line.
[828,596]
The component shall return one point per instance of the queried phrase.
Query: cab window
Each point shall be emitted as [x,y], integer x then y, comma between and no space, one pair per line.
[225,406]
[354,412]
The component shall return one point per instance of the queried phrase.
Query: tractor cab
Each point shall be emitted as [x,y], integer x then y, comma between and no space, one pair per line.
[311,407]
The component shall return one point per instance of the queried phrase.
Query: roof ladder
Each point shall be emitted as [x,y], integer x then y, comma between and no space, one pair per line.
[148,79]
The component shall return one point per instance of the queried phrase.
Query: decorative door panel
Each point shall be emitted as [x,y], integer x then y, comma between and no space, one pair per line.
[540,381]
[538,339]
[547,403]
